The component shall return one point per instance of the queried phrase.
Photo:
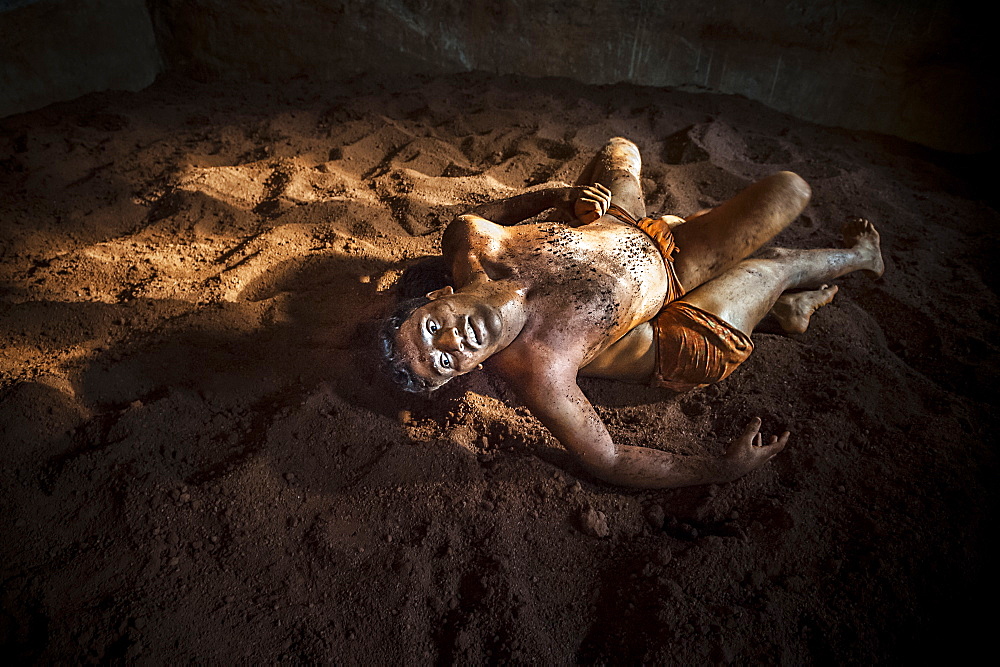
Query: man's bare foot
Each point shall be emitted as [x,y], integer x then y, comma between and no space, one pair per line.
[794,310]
[862,235]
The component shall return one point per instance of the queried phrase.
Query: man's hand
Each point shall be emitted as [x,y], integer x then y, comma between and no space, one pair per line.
[593,203]
[749,451]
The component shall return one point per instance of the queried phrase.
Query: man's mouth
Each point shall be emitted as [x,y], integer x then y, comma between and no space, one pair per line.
[472,335]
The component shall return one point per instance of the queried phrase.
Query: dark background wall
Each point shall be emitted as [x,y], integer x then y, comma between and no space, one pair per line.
[918,69]
[56,50]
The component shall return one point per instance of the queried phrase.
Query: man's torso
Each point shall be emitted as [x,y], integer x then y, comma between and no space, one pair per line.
[586,286]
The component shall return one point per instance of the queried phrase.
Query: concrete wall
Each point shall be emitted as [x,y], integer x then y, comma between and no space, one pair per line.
[55,50]
[919,69]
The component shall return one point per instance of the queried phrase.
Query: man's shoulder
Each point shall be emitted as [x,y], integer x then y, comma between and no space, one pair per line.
[464,228]
[472,223]
[530,359]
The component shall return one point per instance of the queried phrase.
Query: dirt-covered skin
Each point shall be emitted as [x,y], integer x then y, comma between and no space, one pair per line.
[794,309]
[201,463]
[541,304]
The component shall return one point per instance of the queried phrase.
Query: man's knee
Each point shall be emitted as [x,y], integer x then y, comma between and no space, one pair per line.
[771,268]
[620,153]
[794,185]
[774,254]
[623,144]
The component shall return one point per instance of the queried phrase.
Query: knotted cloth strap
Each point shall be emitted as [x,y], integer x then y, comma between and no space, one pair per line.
[654,227]
[658,230]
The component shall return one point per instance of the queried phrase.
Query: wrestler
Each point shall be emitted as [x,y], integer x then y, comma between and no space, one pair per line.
[623,297]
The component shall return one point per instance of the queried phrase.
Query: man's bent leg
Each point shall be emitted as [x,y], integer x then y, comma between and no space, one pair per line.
[730,232]
[617,167]
[743,295]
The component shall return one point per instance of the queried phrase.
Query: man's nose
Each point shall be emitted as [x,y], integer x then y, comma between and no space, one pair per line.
[450,339]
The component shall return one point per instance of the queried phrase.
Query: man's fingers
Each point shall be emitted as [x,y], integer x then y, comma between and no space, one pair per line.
[778,442]
[752,429]
[599,205]
[598,190]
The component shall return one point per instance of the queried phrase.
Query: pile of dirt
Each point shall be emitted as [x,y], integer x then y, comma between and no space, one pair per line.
[202,463]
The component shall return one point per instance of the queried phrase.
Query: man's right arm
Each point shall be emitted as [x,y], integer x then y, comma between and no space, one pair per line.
[513,210]
[563,408]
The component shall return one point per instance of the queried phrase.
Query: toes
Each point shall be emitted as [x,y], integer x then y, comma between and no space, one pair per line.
[858,226]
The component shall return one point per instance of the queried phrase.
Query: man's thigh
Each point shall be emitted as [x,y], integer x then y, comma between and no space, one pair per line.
[717,240]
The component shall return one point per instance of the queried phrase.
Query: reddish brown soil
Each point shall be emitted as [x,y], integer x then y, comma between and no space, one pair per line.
[202,464]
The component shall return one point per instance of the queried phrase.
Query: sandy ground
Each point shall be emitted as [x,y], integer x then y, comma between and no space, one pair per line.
[201,462]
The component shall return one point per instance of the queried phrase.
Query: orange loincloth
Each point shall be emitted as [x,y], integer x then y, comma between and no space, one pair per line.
[693,347]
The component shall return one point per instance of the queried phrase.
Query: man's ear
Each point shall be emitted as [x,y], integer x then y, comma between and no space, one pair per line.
[438,293]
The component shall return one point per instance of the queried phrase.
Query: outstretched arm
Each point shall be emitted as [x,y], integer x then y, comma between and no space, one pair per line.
[513,210]
[561,406]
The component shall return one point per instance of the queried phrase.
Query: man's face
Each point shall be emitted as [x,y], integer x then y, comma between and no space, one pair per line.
[449,336]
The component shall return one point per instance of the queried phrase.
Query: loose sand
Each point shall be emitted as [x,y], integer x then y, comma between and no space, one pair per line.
[202,464]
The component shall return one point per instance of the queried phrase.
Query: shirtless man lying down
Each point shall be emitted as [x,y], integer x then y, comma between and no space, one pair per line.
[619,296]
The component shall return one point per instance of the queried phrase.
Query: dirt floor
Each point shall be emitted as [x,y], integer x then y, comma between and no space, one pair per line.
[202,463]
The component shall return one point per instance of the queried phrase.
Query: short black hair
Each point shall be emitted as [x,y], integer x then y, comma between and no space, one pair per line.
[398,369]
